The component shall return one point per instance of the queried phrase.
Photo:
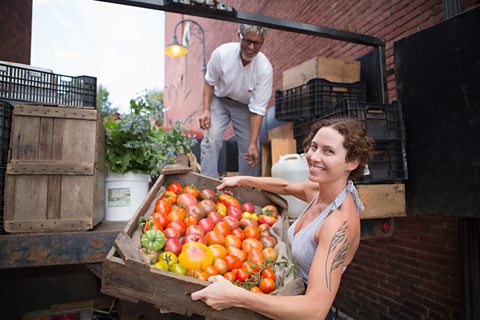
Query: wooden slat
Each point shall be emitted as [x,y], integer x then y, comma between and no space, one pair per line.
[24,139]
[52,167]
[77,197]
[45,138]
[382,200]
[54,196]
[54,112]
[44,225]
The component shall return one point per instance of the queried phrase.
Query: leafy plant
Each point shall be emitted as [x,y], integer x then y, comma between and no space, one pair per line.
[134,144]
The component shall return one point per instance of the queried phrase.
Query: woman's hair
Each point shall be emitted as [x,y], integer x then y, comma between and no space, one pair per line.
[245,28]
[358,145]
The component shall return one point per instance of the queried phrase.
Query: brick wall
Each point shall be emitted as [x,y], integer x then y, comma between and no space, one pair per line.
[415,274]
[15,30]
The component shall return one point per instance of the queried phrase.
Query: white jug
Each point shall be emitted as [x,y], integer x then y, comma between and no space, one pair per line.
[292,167]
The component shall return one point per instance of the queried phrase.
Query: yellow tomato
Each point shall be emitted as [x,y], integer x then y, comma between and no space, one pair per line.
[254,216]
[246,214]
[195,255]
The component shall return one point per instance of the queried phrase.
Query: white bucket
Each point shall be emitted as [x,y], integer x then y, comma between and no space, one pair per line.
[292,167]
[123,194]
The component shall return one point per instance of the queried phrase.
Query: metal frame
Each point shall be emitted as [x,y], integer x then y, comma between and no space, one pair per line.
[208,9]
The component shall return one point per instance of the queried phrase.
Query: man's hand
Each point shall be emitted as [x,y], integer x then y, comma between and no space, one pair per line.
[252,155]
[204,120]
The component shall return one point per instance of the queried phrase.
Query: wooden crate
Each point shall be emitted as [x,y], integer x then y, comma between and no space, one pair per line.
[382,200]
[334,70]
[127,277]
[55,174]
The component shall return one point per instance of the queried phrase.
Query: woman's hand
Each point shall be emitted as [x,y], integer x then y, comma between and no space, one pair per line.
[219,295]
[229,182]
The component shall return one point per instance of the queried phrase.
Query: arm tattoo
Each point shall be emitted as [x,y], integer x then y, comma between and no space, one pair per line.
[340,241]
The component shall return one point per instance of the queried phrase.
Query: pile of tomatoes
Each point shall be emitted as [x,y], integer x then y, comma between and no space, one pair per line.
[197,233]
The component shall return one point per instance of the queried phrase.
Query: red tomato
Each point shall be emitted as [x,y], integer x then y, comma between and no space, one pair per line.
[161,218]
[247,266]
[232,240]
[163,206]
[176,213]
[192,190]
[251,243]
[191,220]
[230,276]
[239,253]
[241,275]
[170,196]
[256,256]
[256,289]
[186,199]
[267,285]
[228,200]
[239,233]
[175,187]
[222,227]
[215,237]
[233,262]
[268,273]
[252,232]
[270,210]
[178,225]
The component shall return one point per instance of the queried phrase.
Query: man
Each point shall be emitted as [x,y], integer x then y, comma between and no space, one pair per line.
[238,86]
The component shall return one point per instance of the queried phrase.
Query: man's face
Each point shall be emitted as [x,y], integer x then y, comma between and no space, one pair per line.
[250,45]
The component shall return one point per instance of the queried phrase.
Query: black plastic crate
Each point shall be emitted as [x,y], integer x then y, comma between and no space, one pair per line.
[315,97]
[5,126]
[387,164]
[22,83]
[2,195]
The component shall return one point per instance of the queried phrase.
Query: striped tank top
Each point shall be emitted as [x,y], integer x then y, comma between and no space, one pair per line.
[303,243]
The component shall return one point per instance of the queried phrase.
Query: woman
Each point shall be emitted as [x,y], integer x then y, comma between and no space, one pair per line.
[324,238]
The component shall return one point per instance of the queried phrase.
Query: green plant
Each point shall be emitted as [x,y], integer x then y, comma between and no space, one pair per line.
[134,144]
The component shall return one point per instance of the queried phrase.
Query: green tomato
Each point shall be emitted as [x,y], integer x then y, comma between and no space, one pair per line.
[178,268]
[161,265]
[153,240]
[169,257]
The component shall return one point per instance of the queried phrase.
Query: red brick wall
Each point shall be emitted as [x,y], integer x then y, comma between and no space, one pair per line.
[415,274]
[15,30]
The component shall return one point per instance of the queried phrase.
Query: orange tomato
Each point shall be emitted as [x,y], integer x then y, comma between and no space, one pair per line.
[230,276]
[233,262]
[176,213]
[228,200]
[221,265]
[190,220]
[170,196]
[163,206]
[270,254]
[256,289]
[218,251]
[221,208]
[192,190]
[222,227]
[211,270]
[239,253]
[251,232]
[251,243]
[248,266]
[267,285]
[241,275]
[232,240]
[214,237]
[255,256]
[268,273]
[239,233]
[175,187]
[270,210]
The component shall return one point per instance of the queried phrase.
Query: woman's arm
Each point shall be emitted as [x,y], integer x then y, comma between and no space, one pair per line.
[302,190]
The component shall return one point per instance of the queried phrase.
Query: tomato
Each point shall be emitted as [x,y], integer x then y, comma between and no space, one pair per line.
[222,227]
[218,251]
[169,257]
[176,213]
[215,237]
[149,224]
[268,273]
[252,232]
[228,200]
[178,225]
[248,207]
[195,210]
[230,276]
[268,241]
[239,234]
[248,266]
[255,256]
[239,253]
[256,289]
[175,187]
[170,196]
[208,206]
[233,262]
[241,275]
[211,270]
[186,199]
[267,285]
[162,265]
[191,221]
[208,194]
[232,240]
[160,219]
[221,208]
[221,265]
[264,227]
[163,206]
[270,254]
[195,255]
[251,243]
[270,210]
[153,240]
[191,190]
[270,220]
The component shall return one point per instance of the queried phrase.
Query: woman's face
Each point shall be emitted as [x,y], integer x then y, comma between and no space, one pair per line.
[326,156]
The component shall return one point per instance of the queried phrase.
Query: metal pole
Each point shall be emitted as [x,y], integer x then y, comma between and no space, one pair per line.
[204,65]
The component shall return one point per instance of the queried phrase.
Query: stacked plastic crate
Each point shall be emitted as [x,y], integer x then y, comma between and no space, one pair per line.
[318,99]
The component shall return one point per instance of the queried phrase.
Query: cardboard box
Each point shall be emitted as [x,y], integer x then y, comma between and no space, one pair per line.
[126,276]
[334,70]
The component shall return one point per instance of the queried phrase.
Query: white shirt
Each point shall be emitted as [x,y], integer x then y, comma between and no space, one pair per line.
[250,84]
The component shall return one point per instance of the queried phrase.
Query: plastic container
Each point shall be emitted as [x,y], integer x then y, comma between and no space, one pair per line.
[123,194]
[292,167]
